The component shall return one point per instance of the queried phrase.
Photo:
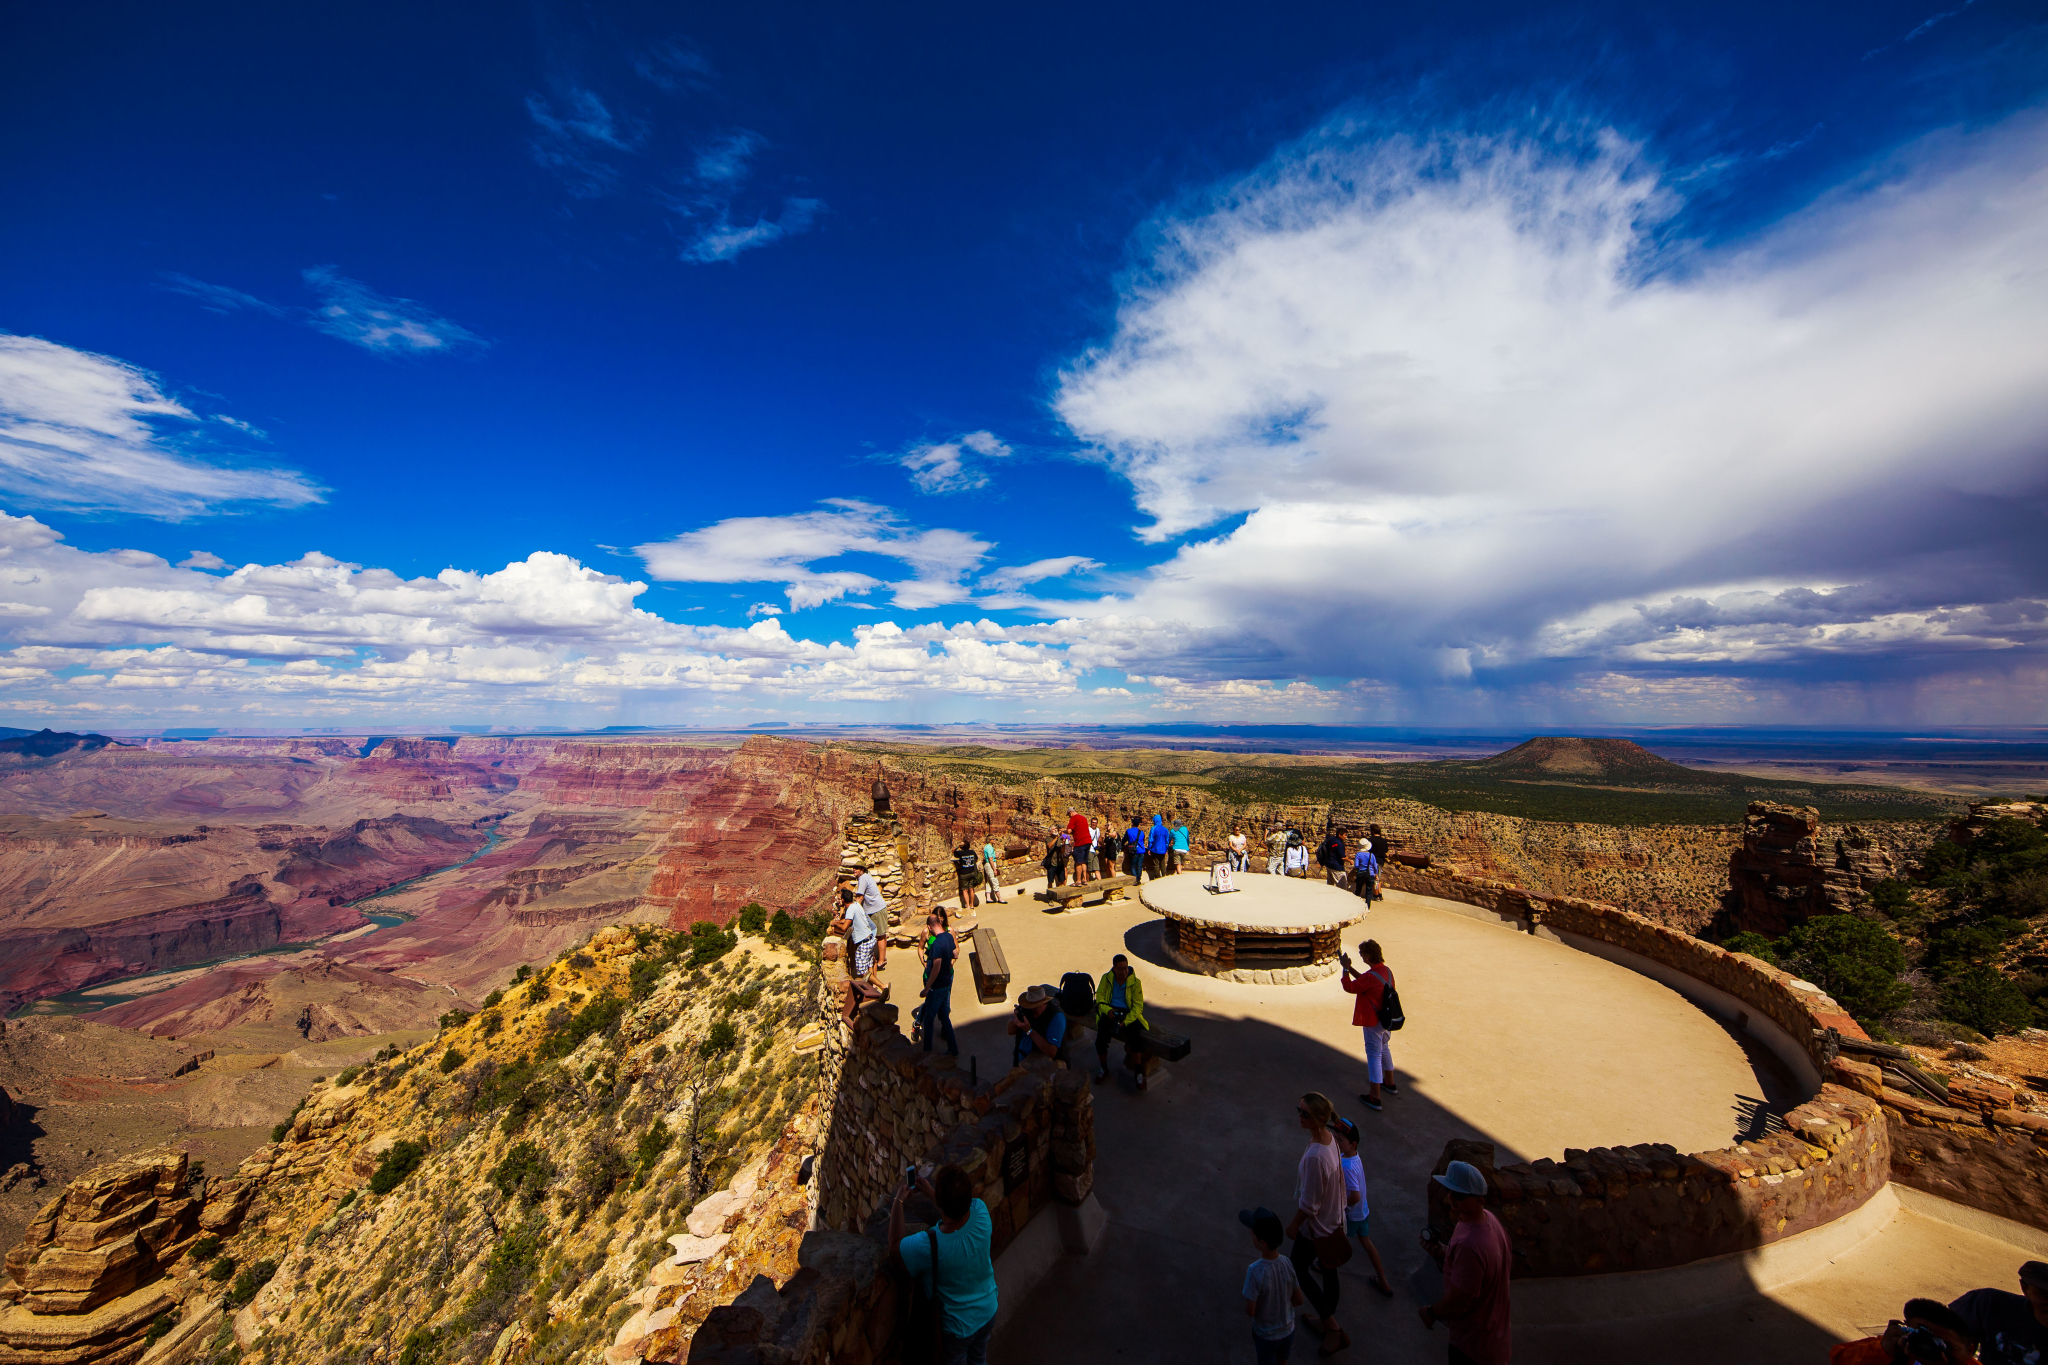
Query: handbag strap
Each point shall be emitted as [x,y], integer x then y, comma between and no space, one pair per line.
[933,1234]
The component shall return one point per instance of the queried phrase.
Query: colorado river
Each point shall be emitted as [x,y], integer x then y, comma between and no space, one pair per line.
[105,994]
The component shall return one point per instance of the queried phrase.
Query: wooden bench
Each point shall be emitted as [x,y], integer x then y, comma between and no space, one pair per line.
[1107,888]
[991,968]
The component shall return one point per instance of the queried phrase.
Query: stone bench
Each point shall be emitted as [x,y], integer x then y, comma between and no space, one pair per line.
[1106,889]
[991,968]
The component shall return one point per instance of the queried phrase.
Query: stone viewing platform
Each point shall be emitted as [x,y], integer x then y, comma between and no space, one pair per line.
[1270,931]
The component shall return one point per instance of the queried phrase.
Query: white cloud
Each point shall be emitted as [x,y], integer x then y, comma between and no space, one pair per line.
[88,432]
[947,467]
[1023,575]
[728,159]
[785,549]
[202,559]
[1462,401]
[577,138]
[353,312]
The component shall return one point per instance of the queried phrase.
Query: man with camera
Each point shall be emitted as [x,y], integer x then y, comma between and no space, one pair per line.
[2011,1329]
[1924,1331]
[1039,1025]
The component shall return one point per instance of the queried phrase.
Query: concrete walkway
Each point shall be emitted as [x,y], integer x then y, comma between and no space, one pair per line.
[1511,1039]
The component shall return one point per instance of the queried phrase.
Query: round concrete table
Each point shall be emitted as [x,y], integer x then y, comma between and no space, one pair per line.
[1270,931]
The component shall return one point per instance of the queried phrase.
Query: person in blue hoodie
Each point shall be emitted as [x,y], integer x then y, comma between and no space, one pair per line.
[1134,849]
[1157,846]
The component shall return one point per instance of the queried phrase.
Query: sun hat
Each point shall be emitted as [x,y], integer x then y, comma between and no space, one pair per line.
[1034,995]
[1462,1177]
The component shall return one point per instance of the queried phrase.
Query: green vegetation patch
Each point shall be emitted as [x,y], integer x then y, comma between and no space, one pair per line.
[400,1160]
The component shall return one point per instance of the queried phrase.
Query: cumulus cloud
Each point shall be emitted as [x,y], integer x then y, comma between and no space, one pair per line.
[90,433]
[349,311]
[1479,425]
[785,550]
[948,466]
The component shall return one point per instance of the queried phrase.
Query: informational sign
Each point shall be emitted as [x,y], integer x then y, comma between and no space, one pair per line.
[1219,877]
[1016,1167]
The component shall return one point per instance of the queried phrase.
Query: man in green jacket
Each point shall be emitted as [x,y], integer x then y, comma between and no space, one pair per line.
[1119,1012]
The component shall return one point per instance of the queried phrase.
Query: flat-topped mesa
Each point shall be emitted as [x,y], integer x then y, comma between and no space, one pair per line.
[89,1276]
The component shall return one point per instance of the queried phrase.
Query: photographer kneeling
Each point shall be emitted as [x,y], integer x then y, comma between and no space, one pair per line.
[1929,1332]
[963,1281]
[1039,1025]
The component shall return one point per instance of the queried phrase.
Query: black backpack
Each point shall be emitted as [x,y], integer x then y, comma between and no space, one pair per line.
[1390,1014]
[1077,995]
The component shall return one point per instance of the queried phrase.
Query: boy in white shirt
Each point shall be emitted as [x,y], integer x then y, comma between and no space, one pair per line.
[1271,1292]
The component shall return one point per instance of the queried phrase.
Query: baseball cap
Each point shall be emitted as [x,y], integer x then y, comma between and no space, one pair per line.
[1347,1129]
[1462,1177]
[1264,1223]
[2035,1272]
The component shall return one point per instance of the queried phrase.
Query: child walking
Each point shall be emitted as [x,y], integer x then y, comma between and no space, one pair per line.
[1271,1292]
[1357,1214]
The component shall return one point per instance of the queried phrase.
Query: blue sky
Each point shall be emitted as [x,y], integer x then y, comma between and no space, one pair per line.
[614,364]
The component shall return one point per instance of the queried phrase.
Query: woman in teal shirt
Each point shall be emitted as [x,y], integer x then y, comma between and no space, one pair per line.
[966,1271]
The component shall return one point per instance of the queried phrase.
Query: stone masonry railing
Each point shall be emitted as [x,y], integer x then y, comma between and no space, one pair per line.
[1602,1210]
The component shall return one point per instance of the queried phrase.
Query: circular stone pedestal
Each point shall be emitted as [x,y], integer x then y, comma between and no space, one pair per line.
[1271,931]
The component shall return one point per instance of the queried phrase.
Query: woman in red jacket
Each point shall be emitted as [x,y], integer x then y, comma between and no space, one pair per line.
[1371,986]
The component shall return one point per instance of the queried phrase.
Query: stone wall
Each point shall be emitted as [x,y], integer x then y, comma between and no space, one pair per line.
[1602,1210]
[1977,1150]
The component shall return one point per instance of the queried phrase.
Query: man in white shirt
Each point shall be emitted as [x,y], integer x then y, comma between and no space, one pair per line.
[877,910]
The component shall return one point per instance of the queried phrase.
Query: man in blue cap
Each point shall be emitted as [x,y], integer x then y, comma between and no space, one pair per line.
[1476,1262]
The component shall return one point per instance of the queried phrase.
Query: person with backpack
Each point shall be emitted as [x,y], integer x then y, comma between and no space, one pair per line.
[950,1264]
[1379,845]
[1378,1012]
[1055,863]
[1331,856]
[1134,849]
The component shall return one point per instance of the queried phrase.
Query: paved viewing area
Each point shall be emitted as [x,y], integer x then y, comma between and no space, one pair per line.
[1512,1039]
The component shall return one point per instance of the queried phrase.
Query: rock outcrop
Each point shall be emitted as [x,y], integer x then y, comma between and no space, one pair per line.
[1789,868]
[88,1278]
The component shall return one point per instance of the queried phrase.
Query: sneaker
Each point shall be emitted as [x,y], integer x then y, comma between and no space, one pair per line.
[1369,1102]
[1390,1087]
[1141,1080]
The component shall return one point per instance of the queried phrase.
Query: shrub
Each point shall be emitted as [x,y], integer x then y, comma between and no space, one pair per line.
[599,1016]
[1892,898]
[525,1172]
[422,1347]
[1983,998]
[600,1173]
[525,970]
[653,1143]
[159,1327]
[582,962]
[348,1077]
[492,1023]
[250,1280]
[454,1019]
[399,1161]
[642,977]
[1755,944]
[753,917]
[494,999]
[708,943]
[346,1200]
[206,1248]
[536,991]
[451,1060]
[659,1052]
[1855,960]
[222,1268]
[723,1037]
[782,926]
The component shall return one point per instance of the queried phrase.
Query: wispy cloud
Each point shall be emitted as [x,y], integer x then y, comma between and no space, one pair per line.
[90,433]
[675,64]
[353,312]
[1024,575]
[723,240]
[349,310]
[949,466]
[726,161]
[578,138]
[1920,29]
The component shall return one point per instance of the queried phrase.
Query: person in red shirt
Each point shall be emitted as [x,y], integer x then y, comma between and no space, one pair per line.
[1370,986]
[1084,839]
[1476,1263]
[1930,1332]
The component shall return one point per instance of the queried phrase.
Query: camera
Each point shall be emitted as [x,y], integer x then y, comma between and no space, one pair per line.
[1922,1343]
